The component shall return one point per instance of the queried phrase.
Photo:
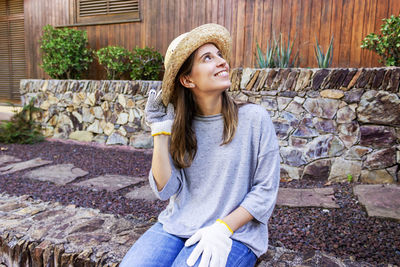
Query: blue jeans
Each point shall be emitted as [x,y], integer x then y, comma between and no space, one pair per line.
[157,248]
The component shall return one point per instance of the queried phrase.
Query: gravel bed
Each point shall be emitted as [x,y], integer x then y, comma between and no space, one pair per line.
[346,232]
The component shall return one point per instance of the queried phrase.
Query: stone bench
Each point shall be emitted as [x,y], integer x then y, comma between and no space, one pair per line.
[37,233]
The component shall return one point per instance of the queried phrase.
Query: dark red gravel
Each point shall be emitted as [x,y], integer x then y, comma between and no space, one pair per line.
[344,232]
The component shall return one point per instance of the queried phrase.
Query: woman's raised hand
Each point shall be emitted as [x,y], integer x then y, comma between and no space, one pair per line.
[158,117]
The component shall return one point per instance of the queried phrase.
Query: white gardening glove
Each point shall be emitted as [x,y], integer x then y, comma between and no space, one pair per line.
[214,245]
[158,117]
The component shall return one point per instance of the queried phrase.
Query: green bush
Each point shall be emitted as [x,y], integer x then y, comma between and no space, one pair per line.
[278,55]
[65,53]
[22,128]
[115,59]
[387,44]
[324,60]
[146,64]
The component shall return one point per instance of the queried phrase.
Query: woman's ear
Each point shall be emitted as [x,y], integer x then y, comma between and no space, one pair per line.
[186,82]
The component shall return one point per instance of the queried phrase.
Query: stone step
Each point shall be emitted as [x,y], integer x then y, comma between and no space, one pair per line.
[59,174]
[144,192]
[111,182]
[19,166]
[315,197]
[8,159]
[380,200]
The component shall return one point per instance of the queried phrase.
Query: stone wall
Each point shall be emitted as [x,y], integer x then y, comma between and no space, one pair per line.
[37,233]
[332,124]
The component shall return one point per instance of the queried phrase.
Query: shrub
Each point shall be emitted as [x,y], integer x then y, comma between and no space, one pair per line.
[324,60]
[65,53]
[278,55]
[22,128]
[387,44]
[146,64]
[115,59]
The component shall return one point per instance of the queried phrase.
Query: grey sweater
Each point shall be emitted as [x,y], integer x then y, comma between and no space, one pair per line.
[244,173]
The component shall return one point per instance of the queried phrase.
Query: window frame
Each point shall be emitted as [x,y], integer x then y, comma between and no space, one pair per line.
[115,18]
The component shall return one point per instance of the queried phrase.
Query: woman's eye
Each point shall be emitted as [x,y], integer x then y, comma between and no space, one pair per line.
[207,57]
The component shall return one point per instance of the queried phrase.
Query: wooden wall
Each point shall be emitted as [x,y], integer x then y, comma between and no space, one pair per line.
[248,21]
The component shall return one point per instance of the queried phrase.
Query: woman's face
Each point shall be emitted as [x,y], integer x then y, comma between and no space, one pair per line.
[210,71]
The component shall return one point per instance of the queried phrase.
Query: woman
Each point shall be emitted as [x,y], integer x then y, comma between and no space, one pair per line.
[216,161]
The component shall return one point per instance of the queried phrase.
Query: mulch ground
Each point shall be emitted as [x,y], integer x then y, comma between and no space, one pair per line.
[344,232]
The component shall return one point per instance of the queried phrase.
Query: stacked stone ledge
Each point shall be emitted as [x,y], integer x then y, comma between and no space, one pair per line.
[331,123]
[36,233]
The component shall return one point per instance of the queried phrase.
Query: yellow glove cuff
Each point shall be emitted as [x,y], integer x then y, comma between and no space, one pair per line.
[221,221]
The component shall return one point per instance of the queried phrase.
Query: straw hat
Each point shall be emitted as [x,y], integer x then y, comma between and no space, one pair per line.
[184,45]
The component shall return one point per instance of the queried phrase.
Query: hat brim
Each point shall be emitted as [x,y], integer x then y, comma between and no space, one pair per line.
[207,33]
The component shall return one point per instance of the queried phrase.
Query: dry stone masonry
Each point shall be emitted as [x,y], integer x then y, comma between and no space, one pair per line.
[332,124]
[37,233]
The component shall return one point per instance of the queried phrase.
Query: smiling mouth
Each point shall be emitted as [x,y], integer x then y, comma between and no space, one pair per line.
[222,73]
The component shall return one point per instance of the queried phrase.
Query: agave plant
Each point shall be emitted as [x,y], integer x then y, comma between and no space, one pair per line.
[284,53]
[267,60]
[277,55]
[324,60]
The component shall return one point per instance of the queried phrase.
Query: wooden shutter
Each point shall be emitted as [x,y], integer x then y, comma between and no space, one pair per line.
[102,11]
[12,48]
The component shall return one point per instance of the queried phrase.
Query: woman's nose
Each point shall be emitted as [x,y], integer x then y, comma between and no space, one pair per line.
[221,61]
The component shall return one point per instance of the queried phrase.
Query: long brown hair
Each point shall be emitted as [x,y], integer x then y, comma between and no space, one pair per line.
[183,146]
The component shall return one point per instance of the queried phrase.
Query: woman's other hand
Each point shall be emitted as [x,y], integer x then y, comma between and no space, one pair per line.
[158,117]
[214,243]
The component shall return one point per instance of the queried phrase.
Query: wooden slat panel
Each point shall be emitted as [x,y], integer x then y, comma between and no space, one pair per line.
[357,33]
[4,60]
[316,15]
[304,38]
[248,33]
[294,22]
[12,49]
[349,20]
[234,20]
[241,15]
[337,11]
[15,7]
[18,65]
[258,26]
[345,33]
[381,13]
[394,8]
[325,33]
[3,10]
[369,26]
[266,24]
[106,10]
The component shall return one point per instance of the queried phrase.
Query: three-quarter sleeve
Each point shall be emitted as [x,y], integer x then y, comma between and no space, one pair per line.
[261,199]
[172,187]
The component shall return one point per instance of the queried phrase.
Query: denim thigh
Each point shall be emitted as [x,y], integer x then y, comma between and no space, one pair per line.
[240,256]
[155,248]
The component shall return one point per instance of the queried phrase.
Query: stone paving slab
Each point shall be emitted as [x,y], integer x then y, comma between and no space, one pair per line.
[7,159]
[111,182]
[144,192]
[380,200]
[37,233]
[315,197]
[59,174]
[14,167]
